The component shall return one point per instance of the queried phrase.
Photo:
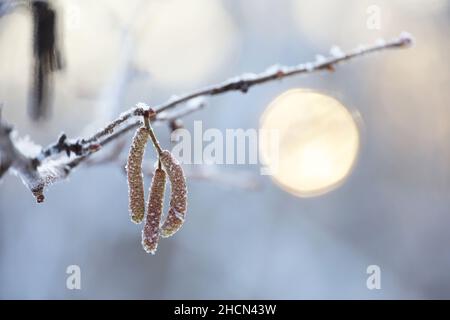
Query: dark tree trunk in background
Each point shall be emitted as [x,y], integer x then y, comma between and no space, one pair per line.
[46,57]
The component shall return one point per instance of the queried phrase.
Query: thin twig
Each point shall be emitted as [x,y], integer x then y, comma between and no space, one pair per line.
[246,81]
[96,147]
[41,170]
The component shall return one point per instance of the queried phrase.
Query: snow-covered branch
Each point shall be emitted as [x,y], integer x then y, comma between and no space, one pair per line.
[56,161]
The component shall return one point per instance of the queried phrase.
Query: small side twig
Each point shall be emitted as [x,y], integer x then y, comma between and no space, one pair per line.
[242,83]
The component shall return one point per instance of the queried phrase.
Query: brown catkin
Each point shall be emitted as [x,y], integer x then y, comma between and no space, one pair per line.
[150,233]
[178,195]
[134,175]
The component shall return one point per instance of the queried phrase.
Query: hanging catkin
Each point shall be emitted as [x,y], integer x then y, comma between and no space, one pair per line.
[150,233]
[134,174]
[178,197]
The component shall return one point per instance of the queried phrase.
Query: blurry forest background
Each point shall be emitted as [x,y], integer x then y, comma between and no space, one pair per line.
[392,211]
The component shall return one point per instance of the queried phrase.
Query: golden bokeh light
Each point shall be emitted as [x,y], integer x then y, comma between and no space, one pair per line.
[318,142]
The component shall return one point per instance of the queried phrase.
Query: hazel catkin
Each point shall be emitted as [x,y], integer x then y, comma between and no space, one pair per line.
[134,175]
[178,197]
[150,233]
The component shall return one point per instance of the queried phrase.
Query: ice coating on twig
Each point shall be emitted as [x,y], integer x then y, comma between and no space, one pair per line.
[27,167]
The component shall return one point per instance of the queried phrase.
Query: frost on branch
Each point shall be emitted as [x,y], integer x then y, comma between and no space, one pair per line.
[19,156]
[56,161]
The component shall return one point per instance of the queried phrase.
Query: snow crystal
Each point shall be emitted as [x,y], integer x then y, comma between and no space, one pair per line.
[273,69]
[336,52]
[248,76]
[287,69]
[173,98]
[320,58]
[360,49]
[309,66]
[27,147]
[232,80]
[196,102]
[380,42]
[142,105]
[407,38]
[52,170]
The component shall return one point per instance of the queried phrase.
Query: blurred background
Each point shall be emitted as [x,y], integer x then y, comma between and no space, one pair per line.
[239,241]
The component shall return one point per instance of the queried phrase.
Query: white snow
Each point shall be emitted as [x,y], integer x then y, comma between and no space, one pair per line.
[336,52]
[320,58]
[309,66]
[406,37]
[380,42]
[273,69]
[27,147]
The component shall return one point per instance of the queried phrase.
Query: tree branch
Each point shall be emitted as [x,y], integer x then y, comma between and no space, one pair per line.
[44,169]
